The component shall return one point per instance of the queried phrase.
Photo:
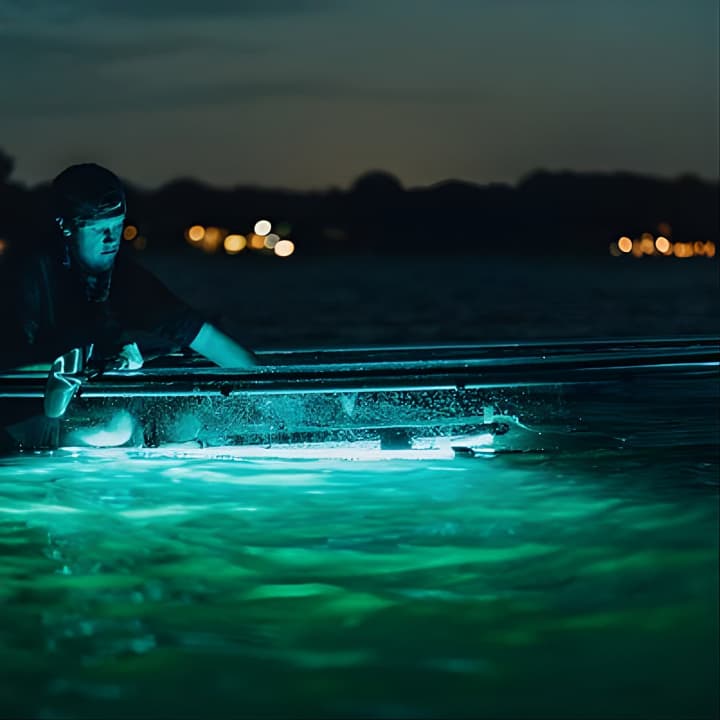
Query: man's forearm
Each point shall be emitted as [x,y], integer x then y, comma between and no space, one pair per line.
[221,349]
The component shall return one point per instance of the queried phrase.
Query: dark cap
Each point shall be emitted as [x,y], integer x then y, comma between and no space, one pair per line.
[87,192]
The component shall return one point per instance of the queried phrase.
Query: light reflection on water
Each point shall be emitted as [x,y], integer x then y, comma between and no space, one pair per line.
[577,584]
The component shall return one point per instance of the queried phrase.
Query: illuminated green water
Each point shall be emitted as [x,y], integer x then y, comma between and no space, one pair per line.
[574,585]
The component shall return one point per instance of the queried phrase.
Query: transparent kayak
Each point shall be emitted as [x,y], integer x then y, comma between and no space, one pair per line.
[415,401]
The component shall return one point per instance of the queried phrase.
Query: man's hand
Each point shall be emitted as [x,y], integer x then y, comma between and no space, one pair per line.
[128,357]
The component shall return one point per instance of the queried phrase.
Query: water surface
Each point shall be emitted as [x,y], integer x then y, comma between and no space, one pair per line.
[578,583]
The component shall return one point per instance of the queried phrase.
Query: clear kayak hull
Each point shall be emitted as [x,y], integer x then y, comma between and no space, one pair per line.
[469,399]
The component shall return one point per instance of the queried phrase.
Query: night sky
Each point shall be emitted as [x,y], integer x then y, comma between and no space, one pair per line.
[311,93]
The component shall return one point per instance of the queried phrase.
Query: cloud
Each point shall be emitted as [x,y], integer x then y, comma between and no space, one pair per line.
[156,9]
[35,33]
[82,50]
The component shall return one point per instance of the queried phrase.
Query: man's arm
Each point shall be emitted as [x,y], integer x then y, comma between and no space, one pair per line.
[161,323]
[221,349]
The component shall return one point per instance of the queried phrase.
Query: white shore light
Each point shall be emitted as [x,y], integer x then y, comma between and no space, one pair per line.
[262,227]
[284,248]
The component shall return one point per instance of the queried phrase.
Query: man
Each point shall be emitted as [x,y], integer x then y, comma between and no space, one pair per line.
[81,307]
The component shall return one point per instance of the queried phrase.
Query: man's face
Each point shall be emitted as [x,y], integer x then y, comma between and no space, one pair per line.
[96,242]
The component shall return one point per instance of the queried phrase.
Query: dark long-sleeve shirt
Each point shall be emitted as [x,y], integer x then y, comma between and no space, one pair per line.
[45,311]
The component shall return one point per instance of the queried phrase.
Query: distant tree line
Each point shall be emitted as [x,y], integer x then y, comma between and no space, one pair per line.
[545,213]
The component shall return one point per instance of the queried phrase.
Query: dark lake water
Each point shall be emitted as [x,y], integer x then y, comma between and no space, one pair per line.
[577,583]
[299,302]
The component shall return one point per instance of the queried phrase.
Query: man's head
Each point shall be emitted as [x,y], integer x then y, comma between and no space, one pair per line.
[90,212]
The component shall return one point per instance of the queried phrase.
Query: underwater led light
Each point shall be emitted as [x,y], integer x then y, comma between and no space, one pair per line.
[420,448]
[360,451]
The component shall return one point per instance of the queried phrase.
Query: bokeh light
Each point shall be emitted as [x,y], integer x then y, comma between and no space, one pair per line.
[271,241]
[234,244]
[196,233]
[262,227]
[284,248]
[662,244]
[212,234]
[283,229]
[3,246]
[130,232]
[256,242]
[213,239]
[625,244]
[646,244]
